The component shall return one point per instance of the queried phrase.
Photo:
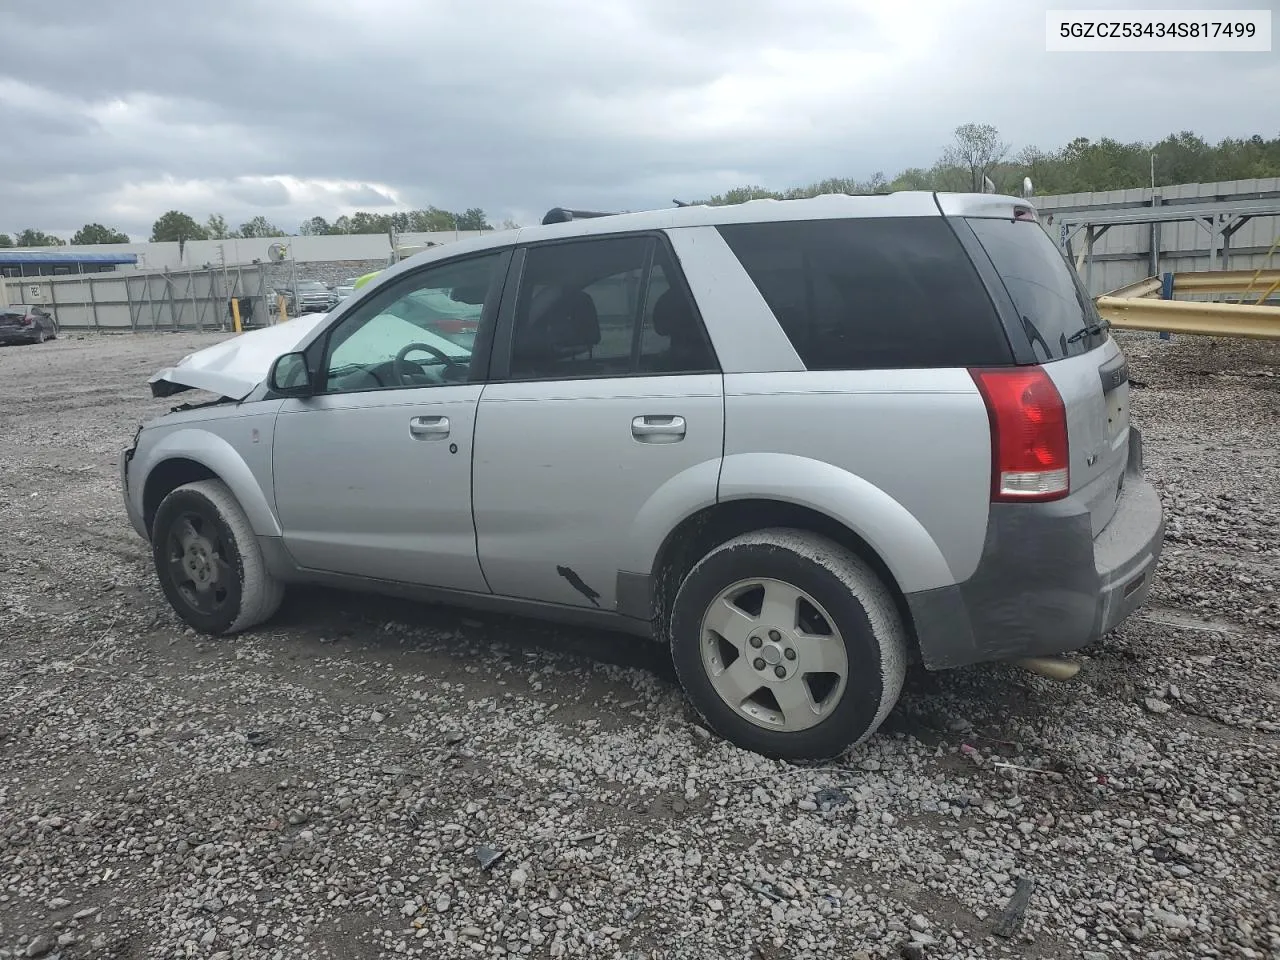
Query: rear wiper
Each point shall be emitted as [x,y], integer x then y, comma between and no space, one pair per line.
[1090,330]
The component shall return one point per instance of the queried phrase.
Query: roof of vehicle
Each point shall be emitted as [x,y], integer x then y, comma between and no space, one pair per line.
[906,203]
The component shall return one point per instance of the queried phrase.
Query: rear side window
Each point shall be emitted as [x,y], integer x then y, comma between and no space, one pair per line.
[872,293]
[1059,318]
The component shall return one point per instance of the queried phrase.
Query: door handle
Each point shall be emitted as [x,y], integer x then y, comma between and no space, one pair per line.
[655,429]
[429,428]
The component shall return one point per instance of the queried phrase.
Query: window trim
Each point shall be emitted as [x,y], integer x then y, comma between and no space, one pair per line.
[504,335]
[317,352]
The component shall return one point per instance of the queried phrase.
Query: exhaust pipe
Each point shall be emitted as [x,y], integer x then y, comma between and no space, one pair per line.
[1055,668]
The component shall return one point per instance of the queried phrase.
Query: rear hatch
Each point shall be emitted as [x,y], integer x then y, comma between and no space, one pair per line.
[1070,340]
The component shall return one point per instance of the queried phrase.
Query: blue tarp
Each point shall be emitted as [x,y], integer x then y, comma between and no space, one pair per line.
[15,257]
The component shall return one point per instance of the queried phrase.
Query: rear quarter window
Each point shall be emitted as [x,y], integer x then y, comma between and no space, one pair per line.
[872,293]
[1055,311]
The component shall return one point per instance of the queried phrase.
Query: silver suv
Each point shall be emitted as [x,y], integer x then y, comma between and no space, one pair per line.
[803,442]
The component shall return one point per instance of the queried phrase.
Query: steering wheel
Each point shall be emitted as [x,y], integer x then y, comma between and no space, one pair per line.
[401,370]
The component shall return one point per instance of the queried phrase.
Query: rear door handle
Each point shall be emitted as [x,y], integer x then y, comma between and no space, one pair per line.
[429,428]
[658,429]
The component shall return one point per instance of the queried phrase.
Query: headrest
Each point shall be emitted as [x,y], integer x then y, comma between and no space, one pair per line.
[573,323]
[672,314]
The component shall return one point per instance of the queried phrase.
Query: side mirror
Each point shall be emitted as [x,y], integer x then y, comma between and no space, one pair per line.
[290,376]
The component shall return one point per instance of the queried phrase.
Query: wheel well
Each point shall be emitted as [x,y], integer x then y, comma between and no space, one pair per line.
[167,477]
[701,533]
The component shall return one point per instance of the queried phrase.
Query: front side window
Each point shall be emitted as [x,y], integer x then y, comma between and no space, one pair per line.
[419,332]
[605,308]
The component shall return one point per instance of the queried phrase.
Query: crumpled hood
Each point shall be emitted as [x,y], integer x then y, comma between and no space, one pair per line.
[234,367]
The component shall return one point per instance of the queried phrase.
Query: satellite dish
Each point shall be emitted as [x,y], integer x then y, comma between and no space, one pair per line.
[277,252]
[1026,187]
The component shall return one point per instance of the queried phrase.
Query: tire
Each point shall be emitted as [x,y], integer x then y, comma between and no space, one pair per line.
[236,591]
[856,619]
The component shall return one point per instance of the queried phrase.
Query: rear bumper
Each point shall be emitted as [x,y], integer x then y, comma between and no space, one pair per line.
[1044,584]
[19,335]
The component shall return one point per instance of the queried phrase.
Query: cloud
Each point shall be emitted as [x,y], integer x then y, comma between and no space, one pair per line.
[325,107]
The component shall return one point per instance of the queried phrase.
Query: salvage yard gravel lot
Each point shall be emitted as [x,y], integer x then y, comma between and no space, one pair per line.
[326,786]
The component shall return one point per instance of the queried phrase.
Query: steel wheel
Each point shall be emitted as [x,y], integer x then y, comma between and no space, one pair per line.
[773,654]
[197,562]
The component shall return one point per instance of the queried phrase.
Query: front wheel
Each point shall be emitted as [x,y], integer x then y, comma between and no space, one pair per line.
[788,644]
[208,560]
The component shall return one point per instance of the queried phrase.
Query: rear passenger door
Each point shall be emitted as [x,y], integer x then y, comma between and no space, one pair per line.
[604,398]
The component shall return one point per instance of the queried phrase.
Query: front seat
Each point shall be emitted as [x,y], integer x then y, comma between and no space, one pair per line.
[567,328]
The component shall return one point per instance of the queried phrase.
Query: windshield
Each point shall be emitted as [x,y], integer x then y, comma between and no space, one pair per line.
[1059,318]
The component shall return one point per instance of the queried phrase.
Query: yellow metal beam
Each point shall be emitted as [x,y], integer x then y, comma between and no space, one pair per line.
[1143,288]
[1223,281]
[1182,316]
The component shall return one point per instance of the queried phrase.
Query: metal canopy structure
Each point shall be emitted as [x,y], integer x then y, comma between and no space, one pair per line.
[43,263]
[1219,220]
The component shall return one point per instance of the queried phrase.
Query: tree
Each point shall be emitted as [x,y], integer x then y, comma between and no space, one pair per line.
[97,233]
[37,238]
[260,227]
[6,240]
[216,227]
[178,227]
[977,149]
[315,227]
[472,219]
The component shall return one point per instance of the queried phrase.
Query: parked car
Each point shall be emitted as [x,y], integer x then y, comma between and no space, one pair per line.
[802,442]
[345,288]
[311,296]
[26,323]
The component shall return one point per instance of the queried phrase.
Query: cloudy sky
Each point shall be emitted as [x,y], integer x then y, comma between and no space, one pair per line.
[117,112]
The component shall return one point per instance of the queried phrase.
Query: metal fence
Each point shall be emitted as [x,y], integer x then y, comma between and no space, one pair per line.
[157,300]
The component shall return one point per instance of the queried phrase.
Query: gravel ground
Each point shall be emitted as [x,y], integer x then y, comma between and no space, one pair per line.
[322,787]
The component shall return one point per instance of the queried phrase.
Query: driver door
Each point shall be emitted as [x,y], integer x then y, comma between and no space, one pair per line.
[372,475]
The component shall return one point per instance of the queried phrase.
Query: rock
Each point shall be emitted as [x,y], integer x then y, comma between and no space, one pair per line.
[38,946]
[519,878]
[920,922]
[1157,706]
[488,856]
[442,903]
[58,903]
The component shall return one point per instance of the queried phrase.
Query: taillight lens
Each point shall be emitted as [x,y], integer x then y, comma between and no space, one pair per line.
[1028,434]
[28,320]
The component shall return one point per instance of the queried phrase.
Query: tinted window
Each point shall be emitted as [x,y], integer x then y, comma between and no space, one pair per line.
[418,332]
[872,293]
[604,308]
[1056,313]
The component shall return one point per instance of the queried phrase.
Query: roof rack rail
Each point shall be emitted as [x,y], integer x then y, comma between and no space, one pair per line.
[562,215]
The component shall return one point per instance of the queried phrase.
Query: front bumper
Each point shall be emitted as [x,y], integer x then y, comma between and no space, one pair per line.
[1044,584]
[132,504]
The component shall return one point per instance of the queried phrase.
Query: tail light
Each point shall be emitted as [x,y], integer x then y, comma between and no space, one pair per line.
[28,320]
[1028,434]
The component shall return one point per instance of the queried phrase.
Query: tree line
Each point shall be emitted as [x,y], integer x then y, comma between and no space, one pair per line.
[177,226]
[976,154]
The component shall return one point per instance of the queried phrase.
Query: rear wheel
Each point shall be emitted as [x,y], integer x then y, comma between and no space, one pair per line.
[788,644]
[208,560]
